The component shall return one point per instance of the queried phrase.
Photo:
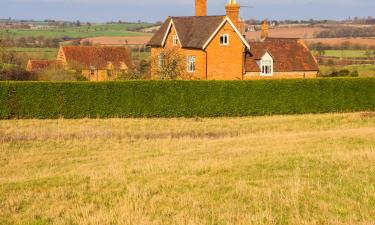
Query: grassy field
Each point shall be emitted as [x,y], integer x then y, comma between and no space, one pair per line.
[344,53]
[51,53]
[310,169]
[78,32]
[363,70]
[38,53]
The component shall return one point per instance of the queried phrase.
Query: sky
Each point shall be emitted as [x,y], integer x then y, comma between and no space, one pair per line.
[157,10]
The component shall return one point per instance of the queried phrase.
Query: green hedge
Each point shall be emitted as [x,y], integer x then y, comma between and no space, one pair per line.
[184,98]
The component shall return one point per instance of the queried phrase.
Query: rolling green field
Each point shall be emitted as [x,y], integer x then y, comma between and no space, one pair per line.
[310,169]
[51,53]
[38,53]
[365,70]
[78,32]
[344,53]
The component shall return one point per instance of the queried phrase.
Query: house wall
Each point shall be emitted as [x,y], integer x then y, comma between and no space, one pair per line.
[100,75]
[200,58]
[217,62]
[225,62]
[281,75]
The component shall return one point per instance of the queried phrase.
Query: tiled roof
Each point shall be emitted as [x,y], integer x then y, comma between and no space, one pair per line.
[288,54]
[37,65]
[193,31]
[98,57]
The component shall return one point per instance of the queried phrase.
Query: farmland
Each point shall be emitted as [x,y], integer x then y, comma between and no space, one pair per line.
[78,32]
[363,70]
[38,53]
[339,41]
[311,169]
[288,32]
[344,53]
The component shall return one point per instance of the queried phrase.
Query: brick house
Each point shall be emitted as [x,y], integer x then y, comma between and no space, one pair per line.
[279,58]
[93,62]
[42,65]
[214,48]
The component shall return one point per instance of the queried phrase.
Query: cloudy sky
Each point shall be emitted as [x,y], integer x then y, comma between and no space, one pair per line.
[153,10]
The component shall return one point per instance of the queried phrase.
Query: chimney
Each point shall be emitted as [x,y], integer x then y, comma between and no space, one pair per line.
[200,7]
[264,33]
[233,11]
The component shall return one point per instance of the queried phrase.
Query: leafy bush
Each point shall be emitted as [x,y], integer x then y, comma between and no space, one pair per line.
[16,74]
[342,73]
[184,98]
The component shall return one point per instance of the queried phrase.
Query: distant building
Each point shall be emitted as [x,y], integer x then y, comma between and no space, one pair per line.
[279,58]
[95,63]
[42,65]
[215,49]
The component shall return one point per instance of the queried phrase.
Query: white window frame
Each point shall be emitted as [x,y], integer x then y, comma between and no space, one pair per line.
[93,71]
[191,60]
[161,62]
[174,40]
[225,38]
[266,67]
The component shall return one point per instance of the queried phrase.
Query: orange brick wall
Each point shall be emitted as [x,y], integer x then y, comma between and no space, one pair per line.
[281,75]
[225,62]
[233,12]
[200,58]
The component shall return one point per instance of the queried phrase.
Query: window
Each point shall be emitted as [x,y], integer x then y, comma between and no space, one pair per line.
[92,70]
[224,39]
[109,73]
[161,60]
[267,69]
[175,40]
[191,64]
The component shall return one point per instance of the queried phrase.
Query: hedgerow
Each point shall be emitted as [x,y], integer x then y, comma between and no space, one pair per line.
[45,100]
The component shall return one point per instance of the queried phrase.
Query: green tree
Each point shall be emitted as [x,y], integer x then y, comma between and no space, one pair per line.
[169,64]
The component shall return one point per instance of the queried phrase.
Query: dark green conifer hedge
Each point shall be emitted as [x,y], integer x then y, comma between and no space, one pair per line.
[48,100]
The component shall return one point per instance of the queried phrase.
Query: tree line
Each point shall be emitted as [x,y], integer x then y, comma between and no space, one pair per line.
[34,42]
[344,32]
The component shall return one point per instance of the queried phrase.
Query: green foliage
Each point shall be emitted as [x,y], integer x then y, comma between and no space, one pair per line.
[185,98]
[68,32]
[342,73]
[4,96]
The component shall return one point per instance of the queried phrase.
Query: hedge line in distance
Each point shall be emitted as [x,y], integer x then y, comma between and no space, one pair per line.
[49,100]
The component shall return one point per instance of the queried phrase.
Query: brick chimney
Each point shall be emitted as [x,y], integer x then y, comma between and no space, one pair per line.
[200,7]
[264,33]
[233,11]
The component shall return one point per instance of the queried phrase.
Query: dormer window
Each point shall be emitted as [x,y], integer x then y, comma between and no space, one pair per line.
[266,65]
[92,70]
[175,40]
[224,39]
[267,69]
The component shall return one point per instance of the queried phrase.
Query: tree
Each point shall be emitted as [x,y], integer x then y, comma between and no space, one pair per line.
[169,64]
[369,54]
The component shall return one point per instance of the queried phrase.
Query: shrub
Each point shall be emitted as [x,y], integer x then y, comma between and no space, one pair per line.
[185,98]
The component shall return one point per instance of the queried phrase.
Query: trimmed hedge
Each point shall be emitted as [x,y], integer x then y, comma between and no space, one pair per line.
[48,100]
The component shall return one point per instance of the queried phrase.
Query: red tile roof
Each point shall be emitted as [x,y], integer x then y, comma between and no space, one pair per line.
[38,65]
[98,57]
[288,54]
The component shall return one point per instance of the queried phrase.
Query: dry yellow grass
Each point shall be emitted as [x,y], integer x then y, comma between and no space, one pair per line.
[310,169]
